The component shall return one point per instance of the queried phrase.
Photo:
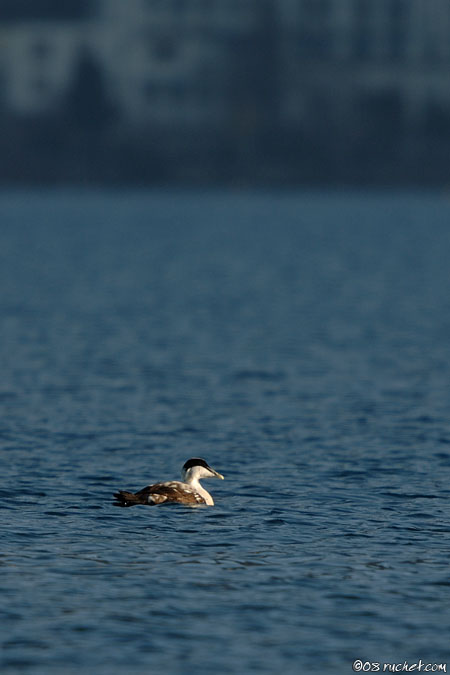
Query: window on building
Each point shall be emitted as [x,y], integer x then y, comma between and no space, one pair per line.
[381,115]
[437,119]
[179,5]
[434,35]
[151,92]
[41,50]
[315,30]
[164,49]
[399,27]
[40,86]
[363,30]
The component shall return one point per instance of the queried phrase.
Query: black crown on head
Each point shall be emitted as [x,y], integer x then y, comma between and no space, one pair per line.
[195,461]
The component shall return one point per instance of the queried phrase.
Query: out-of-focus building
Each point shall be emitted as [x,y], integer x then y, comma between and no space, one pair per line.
[165,62]
[287,81]
[377,58]
[39,45]
[176,61]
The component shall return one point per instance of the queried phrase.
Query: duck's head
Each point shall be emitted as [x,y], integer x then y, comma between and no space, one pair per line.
[196,468]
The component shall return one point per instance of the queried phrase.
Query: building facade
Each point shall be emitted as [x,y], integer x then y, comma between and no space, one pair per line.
[364,54]
[260,80]
[163,62]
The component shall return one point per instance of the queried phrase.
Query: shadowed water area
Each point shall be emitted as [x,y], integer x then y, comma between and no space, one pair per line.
[301,345]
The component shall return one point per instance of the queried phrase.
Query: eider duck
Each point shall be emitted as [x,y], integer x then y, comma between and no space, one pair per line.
[188,491]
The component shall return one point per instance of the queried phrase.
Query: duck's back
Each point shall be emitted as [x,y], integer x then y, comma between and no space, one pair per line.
[160,493]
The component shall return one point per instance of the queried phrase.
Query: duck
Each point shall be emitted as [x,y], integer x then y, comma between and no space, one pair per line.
[188,491]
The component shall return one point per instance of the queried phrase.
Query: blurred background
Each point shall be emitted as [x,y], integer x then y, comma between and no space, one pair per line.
[225,92]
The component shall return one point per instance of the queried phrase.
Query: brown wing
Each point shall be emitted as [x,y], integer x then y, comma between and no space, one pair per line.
[124,498]
[174,491]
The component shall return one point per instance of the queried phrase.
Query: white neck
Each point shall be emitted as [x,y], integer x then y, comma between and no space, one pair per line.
[194,483]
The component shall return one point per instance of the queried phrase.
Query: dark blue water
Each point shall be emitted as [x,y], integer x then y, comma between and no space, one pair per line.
[301,345]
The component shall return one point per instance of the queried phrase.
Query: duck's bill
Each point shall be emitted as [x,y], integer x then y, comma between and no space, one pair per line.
[216,473]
